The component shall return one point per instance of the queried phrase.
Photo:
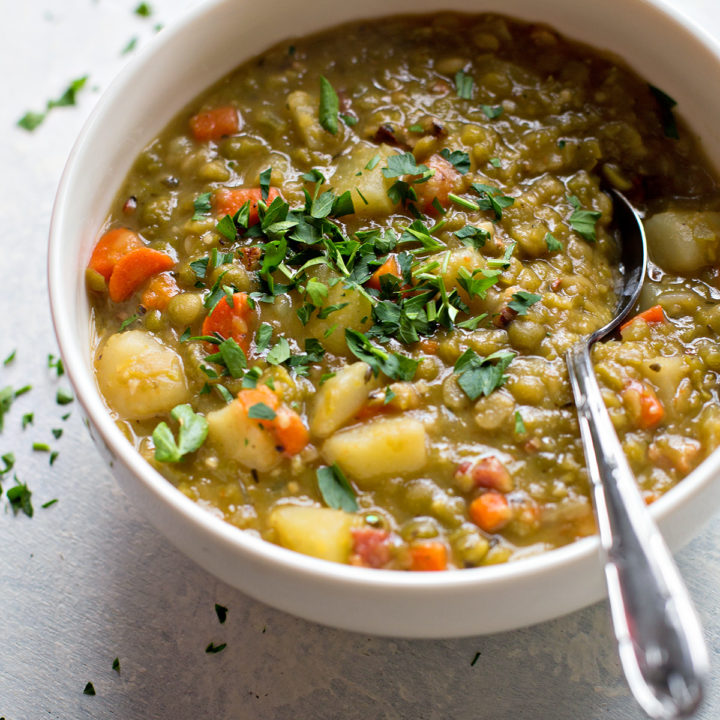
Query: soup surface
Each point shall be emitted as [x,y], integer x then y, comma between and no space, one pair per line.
[332,298]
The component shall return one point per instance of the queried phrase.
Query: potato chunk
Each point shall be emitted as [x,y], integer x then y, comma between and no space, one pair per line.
[320,532]
[340,398]
[304,111]
[139,376]
[683,241]
[241,438]
[352,174]
[380,448]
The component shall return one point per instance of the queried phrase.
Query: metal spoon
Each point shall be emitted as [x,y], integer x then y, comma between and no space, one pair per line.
[659,636]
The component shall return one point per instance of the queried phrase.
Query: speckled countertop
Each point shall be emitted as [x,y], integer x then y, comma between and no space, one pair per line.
[88,579]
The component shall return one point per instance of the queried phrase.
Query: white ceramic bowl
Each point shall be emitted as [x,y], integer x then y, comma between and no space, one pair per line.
[183,61]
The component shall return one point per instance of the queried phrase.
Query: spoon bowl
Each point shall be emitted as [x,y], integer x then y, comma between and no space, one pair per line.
[659,636]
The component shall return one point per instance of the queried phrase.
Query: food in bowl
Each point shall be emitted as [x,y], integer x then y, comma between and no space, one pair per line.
[332,299]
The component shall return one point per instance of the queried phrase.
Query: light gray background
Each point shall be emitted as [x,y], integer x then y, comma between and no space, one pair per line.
[88,579]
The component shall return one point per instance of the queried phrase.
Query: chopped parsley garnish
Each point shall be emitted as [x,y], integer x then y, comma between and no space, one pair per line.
[472,236]
[584,222]
[191,435]
[49,503]
[667,117]
[89,689]
[261,411]
[491,112]
[116,665]
[522,301]
[504,261]
[519,424]
[492,199]
[231,356]
[31,120]
[394,365]
[143,10]
[40,447]
[372,163]
[495,162]
[27,419]
[221,612]
[477,282]
[263,337]
[403,164]
[553,244]
[19,498]
[279,353]
[463,85]
[335,489]
[53,457]
[57,433]
[7,395]
[458,159]
[329,106]
[63,397]
[478,375]
[128,322]
[131,45]
[349,120]
[265,177]
[475,659]
[10,357]
[9,462]
[202,205]
[212,649]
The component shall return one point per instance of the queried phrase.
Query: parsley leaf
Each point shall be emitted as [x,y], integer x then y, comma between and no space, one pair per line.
[522,301]
[143,10]
[265,177]
[116,665]
[519,424]
[280,352]
[69,97]
[553,244]
[19,498]
[667,118]
[261,411]
[491,112]
[463,85]
[221,612]
[492,199]
[394,365]
[472,236]
[584,222]
[458,159]
[31,120]
[212,649]
[10,357]
[63,397]
[89,689]
[202,205]
[403,164]
[192,434]
[478,376]
[335,489]
[263,336]
[329,106]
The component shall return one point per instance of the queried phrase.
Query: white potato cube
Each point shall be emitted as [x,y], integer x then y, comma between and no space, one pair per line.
[139,376]
[340,398]
[378,449]
[320,532]
[683,241]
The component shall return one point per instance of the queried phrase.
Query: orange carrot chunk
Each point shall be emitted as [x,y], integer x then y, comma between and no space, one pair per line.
[231,321]
[158,292]
[389,267]
[652,315]
[111,247]
[133,269]
[227,201]
[643,405]
[289,430]
[215,124]
[490,511]
[426,556]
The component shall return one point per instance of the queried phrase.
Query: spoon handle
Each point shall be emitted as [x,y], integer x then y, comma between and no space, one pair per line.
[659,636]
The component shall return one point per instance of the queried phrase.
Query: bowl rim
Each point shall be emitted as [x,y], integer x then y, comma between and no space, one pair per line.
[60,288]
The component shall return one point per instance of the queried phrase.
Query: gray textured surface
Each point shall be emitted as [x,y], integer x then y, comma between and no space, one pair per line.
[88,579]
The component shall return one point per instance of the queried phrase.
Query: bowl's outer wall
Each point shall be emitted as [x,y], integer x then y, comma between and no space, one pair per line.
[186,59]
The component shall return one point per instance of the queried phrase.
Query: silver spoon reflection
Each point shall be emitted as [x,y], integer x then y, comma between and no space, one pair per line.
[659,636]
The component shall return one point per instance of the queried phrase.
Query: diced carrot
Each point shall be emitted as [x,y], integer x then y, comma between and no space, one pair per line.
[232,321]
[429,346]
[158,292]
[133,269]
[389,267]
[652,315]
[445,180]
[643,405]
[488,472]
[227,201]
[490,511]
[111,247]
[290,431]
[215,124]
[430,555]
[371,547]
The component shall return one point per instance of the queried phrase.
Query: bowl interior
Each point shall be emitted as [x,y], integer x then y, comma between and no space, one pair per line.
[186,59]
